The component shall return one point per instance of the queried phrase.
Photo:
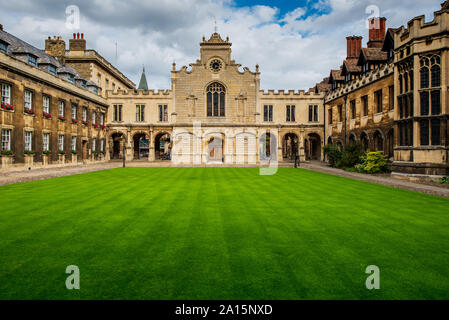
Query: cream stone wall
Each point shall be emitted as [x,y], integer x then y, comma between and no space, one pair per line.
[239,131]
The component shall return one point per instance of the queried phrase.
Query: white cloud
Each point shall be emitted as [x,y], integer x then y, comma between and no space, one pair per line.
[294,51]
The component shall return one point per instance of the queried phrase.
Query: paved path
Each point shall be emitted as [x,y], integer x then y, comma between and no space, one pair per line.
[387,180]
[15,175]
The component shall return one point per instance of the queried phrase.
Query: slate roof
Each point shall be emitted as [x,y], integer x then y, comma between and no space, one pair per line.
[336,75]
[18,46]
[372,54]
[351,66]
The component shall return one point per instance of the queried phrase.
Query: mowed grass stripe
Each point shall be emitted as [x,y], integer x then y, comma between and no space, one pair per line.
[220,233]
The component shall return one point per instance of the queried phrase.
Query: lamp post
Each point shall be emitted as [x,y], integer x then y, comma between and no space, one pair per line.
[297,160]
[124,153]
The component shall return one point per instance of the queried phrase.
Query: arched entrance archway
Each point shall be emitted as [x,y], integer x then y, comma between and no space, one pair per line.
[378,141]
[352,138]
[267,146]
[313,151]
[141,146]
[215,149]
[290,147]
[364,141]
[162,146]
[390,143]
[117,141]
[329,141]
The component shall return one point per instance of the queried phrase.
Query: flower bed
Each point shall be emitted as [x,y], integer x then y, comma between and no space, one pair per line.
[46,115]
[30,111]
[6,106]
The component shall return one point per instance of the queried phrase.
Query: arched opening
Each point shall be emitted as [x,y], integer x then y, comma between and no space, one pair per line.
[329,141]
[215,149]
[390,144]
[314,147]
[216,100]
[378,141]
[267,146]
[352,138]
[141,146]
[117,140]
[364,141]
[162,146]
[290,147]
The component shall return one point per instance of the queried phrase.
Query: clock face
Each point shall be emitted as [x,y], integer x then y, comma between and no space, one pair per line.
[216,65]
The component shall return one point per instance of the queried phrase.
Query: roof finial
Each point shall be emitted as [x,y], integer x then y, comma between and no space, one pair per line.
[216,28]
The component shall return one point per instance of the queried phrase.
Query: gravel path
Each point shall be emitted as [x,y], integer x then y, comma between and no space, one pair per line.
[386,180]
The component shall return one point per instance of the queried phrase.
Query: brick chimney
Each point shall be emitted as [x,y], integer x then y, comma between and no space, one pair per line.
[78,43]
[55,47]
[354,46]
[377,31]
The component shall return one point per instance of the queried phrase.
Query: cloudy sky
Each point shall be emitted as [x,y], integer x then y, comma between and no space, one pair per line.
[295,42]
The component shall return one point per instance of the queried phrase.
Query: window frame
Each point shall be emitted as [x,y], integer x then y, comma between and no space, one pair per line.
[6,136]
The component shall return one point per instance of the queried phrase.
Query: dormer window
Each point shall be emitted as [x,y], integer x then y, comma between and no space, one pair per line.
[71,78]
[32,60]
[52,70]
[3,47]
[83,84]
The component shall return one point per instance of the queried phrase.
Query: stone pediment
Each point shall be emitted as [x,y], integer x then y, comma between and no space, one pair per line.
[215,39]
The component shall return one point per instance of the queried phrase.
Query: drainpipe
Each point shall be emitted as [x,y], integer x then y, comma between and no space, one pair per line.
[346,119]
[324,131]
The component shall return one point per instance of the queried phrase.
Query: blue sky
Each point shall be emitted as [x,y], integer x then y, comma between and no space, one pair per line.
[296,43]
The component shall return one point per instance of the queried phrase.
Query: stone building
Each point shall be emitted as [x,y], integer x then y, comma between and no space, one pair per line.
[396,100]
[88,63]
[215,112]
[49,113]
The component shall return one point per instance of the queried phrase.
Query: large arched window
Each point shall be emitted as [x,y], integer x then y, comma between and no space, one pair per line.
[424,72]
[216,98]
[436,76]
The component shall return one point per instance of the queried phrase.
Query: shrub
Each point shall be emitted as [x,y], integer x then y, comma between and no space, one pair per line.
[333,154]
[351,156]
[444,180]
[375,162]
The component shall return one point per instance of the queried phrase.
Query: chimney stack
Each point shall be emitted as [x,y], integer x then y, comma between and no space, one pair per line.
[1,27]
[78,43]
[354,44]
[55,47]
[377,31]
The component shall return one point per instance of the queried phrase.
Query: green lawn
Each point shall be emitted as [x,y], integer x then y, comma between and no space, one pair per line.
[220,233]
